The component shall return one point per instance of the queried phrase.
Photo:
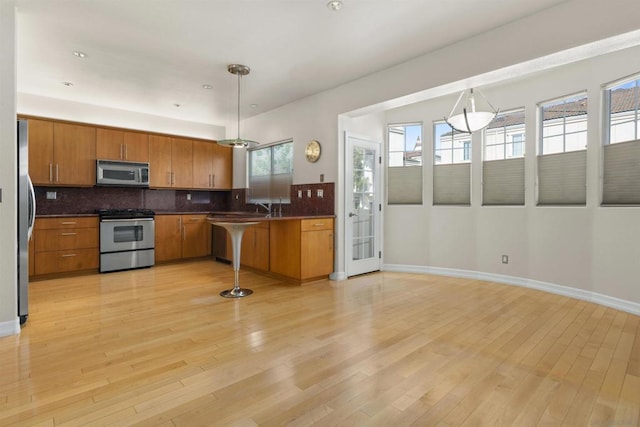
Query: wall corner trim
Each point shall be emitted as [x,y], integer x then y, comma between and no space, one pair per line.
[338,275]
[12,327]
[605,300]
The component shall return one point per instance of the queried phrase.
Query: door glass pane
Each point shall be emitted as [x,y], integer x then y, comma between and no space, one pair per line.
[363,199]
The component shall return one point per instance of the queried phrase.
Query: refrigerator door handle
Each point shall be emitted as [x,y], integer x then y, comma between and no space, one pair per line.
[32,207]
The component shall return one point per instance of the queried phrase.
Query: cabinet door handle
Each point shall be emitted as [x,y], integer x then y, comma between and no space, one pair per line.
[173,178]
[213,180]
[68,255]
[126,152]
[68,222]
[50,172]
[121,152]
[57,176]
[184,233]
[68,234]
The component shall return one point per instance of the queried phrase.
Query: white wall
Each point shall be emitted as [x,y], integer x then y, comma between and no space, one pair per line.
[9,323]
[36,105]
[592,248]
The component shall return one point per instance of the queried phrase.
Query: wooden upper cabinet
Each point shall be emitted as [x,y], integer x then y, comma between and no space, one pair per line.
[222,167]
[202,164]
[159,161]
[74,154]
[41,151]
[136,147]
[114,144]
[182,163]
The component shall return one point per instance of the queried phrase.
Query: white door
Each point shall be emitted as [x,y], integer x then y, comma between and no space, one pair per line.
[362,208]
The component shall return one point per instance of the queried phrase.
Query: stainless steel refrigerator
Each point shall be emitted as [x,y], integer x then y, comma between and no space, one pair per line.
[26,218]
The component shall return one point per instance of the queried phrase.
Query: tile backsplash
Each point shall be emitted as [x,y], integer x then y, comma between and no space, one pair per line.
[74,200]
[305,205]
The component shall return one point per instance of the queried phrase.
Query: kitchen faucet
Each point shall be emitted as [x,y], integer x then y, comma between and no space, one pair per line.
[267,207]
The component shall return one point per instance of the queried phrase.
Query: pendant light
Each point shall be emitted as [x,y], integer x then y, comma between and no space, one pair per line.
[237,142]
[469,120]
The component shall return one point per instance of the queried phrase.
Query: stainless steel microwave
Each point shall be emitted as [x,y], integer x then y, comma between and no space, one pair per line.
[123,174]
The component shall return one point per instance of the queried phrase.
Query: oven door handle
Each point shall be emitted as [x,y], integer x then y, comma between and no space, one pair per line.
[126,219]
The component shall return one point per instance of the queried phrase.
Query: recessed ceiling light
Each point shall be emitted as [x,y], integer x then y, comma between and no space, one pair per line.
[79,54]
[68,84]
[335,5]
[206,86]
[177,105]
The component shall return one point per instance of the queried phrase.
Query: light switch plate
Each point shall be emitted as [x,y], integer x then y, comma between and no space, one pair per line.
[299,194]
[52,195]
[308,194]
[320,193]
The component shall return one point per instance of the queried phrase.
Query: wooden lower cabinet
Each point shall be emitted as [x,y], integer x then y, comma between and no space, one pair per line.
[302,249]
[196,240]
[65,245]
[182,236]
[168,237]
[255,247]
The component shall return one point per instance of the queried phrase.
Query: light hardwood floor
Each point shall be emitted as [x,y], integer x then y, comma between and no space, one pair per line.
[159,347]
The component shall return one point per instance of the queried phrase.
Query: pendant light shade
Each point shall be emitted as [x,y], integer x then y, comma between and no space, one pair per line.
[237,142]
[469,120]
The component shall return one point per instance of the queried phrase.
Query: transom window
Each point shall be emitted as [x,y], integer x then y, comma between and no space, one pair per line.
[450,146]
[623,102]
[564,125]
[504,137]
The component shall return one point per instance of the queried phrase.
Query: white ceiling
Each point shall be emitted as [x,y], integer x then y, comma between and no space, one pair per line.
[147,55]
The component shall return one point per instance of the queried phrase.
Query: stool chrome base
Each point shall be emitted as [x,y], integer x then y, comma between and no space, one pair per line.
[236,293]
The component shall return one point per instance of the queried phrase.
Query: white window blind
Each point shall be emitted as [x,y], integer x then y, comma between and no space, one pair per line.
[562,178]
[452,184]
[404,185]
[621,184]
[503,182]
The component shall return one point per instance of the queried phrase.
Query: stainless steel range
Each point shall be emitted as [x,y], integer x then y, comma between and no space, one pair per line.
[127,239]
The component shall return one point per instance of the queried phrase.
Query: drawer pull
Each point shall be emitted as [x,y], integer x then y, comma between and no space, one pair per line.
[68,234]
[68,255]
[318,224]
[68,222]
[195,219]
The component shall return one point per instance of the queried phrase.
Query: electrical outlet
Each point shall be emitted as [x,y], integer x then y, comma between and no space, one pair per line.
[308,194]
[505,259]
[320,193]
[188,196]
[299,194]
[52,195]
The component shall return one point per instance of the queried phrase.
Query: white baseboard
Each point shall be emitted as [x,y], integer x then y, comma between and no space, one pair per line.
[12,327]
[608,301]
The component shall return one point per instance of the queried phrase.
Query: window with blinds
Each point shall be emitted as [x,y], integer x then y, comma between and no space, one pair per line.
[503,165]
[404,164]
[270,170]
[452,166]
[562,159]
[621,174]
